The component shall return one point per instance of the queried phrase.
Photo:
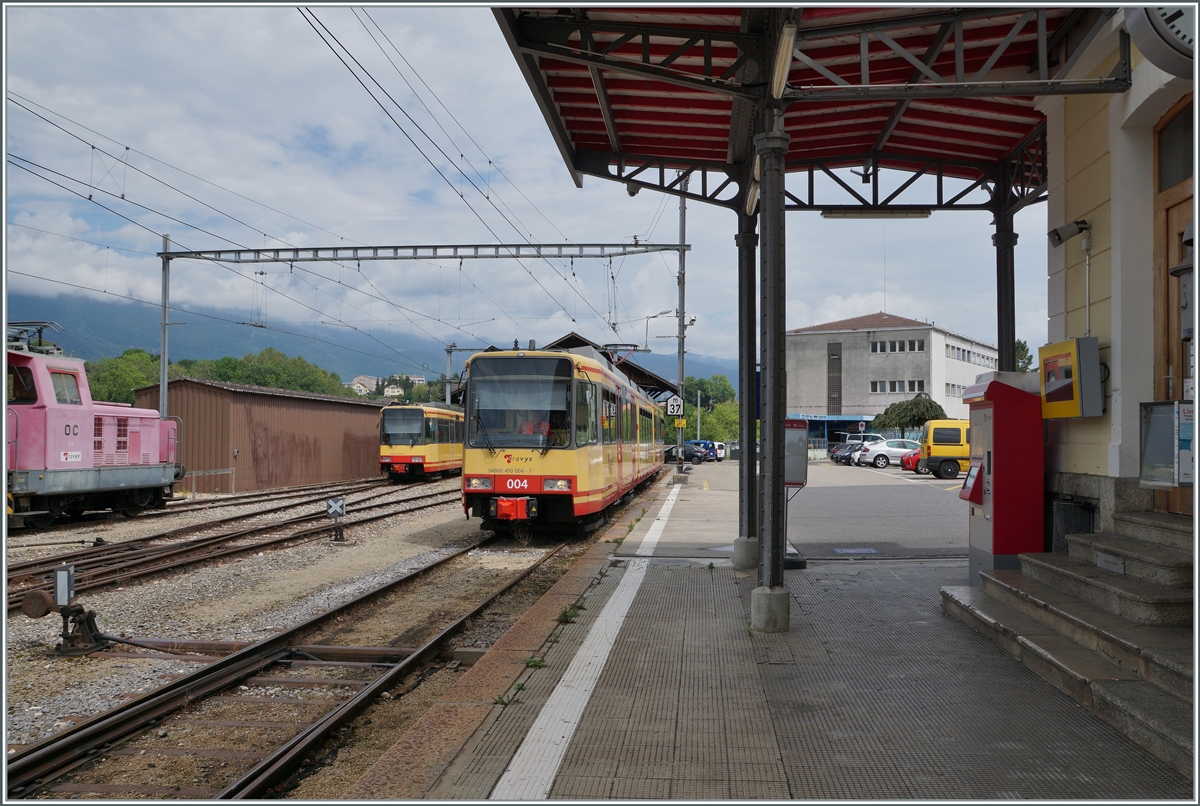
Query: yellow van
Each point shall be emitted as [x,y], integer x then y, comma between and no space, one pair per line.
[945,447]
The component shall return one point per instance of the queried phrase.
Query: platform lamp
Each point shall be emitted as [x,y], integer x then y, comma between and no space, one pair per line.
[783,59]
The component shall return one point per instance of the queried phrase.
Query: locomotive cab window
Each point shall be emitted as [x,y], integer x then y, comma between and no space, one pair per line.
[20,386]
[519,403]
[66,388]
[403,427]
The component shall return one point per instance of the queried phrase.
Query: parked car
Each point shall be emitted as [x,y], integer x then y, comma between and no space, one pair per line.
[690,454]
[840,454]
[886,452]
[946,447]
[855,451]
[909,461]
[720,451]
[861,437]
[708,446]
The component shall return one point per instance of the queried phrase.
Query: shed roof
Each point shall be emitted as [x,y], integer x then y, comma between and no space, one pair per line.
[272,392]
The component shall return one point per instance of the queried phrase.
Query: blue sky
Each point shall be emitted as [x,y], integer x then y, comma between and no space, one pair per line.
[275,142]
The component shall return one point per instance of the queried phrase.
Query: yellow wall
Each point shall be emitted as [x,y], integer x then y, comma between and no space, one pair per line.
[1081,446]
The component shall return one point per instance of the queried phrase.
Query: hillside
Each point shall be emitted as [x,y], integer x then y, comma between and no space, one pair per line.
[97,329]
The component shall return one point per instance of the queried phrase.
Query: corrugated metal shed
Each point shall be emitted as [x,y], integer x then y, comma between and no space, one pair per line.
[281,437]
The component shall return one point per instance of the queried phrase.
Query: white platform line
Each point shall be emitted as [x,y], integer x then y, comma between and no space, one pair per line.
[534,766]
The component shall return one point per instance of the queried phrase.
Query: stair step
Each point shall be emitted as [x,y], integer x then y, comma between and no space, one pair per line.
[1145,713]
[1122,554]
[1162,655]
[1135,599]
[1165,529]
[1055,657]
[1149,716]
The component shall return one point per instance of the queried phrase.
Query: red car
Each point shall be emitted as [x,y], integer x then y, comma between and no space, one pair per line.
[909,462]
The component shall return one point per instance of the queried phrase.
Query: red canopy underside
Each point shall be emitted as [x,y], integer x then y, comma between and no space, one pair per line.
[665,120]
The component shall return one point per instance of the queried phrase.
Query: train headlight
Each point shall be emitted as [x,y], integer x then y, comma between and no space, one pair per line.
[556,484]
[478,483]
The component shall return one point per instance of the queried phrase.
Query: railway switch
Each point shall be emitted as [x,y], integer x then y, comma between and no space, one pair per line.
[80,636]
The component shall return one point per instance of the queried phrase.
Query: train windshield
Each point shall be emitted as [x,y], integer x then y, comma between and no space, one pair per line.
[519,403]
[403,427]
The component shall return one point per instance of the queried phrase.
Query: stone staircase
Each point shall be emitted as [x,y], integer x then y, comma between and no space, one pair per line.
[1109,622]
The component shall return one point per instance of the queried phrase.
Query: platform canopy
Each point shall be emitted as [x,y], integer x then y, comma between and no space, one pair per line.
[637,94]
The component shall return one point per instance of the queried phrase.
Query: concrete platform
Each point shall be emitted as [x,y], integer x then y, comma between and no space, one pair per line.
[659,689]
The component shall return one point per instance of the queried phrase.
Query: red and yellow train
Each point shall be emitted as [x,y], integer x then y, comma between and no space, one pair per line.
[553,438]
[417,440]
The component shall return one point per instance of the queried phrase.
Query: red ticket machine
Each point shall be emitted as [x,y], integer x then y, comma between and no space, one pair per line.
[1004,488]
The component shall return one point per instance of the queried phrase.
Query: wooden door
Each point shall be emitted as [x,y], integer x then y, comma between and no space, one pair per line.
[1173,209]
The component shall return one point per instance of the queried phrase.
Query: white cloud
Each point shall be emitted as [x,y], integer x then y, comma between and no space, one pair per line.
[251,100]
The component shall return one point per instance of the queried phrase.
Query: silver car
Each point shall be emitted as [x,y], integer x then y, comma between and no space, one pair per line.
[883,453]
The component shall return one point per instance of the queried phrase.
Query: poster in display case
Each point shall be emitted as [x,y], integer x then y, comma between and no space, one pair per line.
[1167,459]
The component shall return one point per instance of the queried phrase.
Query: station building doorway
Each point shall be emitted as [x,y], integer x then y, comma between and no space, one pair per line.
[1174,359]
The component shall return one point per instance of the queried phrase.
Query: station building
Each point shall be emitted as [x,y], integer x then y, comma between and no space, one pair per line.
[1122,163]
[844,372]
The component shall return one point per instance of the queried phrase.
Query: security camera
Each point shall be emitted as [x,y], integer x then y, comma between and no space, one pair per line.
[692,321]
[632,190]
[1066,232]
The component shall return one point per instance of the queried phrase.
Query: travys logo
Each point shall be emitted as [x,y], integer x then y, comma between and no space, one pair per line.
[71,456]
[508,458]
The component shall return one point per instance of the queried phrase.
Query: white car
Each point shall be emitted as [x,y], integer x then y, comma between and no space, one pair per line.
[720,451]
[884,452]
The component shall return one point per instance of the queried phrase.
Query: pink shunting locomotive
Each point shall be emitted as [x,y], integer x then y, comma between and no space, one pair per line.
[66,453]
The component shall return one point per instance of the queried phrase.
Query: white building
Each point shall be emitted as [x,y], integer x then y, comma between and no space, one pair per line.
[853,369]
[393,390]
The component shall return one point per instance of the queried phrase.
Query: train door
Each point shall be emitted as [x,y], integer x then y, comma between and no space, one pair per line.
[66,427]
[622,434]
[609,427]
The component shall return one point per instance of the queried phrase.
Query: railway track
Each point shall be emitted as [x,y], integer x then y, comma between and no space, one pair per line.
[114,563]
[312,492]
[249,718]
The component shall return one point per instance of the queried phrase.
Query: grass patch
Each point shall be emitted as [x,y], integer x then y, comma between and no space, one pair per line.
[569,613]
[535,663]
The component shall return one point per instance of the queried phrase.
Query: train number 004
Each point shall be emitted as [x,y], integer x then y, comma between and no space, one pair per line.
[516,484]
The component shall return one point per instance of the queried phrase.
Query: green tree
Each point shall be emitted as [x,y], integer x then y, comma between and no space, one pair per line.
[114,379]
[1024,358]
[908,414]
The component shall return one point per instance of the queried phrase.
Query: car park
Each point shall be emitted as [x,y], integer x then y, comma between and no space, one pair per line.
[691,454]
[707,446]
[884,452]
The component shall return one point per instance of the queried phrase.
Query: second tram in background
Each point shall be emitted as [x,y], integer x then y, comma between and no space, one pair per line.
[553,439]
[417,440]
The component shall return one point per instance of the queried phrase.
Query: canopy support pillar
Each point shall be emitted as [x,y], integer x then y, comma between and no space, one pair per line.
[1005,241]
[769,602]
[746,546]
